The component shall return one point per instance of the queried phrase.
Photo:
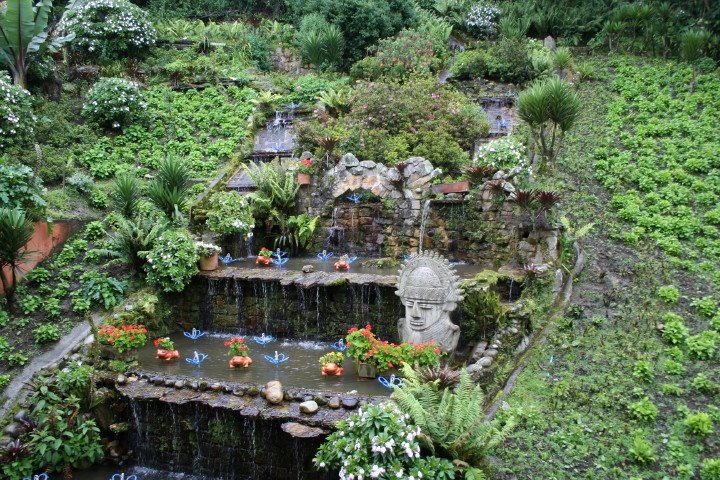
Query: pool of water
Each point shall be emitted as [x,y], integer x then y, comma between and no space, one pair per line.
[142,473]
[302,370]
[464,270]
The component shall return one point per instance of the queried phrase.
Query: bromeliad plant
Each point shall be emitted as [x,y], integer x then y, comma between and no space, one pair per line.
[123,338]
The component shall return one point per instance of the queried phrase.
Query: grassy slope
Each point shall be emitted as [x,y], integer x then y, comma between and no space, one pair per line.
[578,387]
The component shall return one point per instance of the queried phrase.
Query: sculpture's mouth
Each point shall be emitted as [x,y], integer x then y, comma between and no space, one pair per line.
[419,324]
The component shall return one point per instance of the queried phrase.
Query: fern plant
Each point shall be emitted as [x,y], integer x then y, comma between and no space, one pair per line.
[132,237]
[453,421]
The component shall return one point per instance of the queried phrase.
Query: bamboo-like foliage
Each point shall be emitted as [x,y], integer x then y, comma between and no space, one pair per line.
[453,420]
[550,108]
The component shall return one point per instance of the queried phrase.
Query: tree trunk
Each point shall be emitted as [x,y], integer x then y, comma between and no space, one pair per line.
[20,77]
[67,471]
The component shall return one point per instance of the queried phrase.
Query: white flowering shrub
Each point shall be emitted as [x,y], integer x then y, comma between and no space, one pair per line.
[114,103]
[504,153]
[172,262]
[108,29]
[379,443]
[483,19]
[16,116]
[230,214]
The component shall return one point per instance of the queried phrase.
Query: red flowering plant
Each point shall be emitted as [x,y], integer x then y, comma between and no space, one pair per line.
[237,347]
[164,343]
[306,166]
[364,347]
[123,338]
[264,252]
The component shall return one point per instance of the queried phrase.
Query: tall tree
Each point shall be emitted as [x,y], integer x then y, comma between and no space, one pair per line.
[24,31]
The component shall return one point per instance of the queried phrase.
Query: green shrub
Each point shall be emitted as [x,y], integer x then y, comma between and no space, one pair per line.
[669,294]
[700,423]
[4,381]
[16,115]
[52,308]
[229,214]
[172,262]
[508,60]
[4,318]
[675,331]
[17,359]
[114,103]
[21,188]
[644,409]
[30,303]
[46,333]
[715,322]
[702,383]
[641,449]
[710,469]
[704,345]
[671,389]
[108,29]
[102,290]
[673,368]
[470,64]
[38,275]
[643,370]
[94,231]
[82,182]
[706,306]
[5,348]
[99,199]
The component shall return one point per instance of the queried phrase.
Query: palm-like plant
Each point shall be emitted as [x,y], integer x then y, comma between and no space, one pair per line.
[23,31]
[132,237]
[126,194]
[510,27]
[16,230]
[169,190]
[334,45]
[453,420]
[550,108]
[562,61]
[693,46]
[336,101]
[266,102]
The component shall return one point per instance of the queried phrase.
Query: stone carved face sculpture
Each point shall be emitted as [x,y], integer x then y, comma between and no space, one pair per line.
[429,289]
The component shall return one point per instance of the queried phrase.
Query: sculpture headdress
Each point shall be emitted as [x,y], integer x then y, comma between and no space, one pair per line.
[429,276]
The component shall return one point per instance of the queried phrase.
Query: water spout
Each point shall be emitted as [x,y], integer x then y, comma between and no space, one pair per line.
[390,383]
[197,359]
[423,222]
[194,334]
[263,339]
[277,359]
[42,476]
[324,255]
[340,345]
[121,476]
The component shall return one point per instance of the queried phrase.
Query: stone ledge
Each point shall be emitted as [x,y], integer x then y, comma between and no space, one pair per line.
[304,280]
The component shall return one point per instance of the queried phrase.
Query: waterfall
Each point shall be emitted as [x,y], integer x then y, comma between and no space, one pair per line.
[423,221]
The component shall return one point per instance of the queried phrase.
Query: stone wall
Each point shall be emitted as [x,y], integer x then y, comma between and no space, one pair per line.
[484,227]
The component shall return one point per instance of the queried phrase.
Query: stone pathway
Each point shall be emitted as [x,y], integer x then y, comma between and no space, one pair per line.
[65,345]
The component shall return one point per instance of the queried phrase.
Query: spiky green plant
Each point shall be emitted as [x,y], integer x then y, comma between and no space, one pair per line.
[562,60]
[693,46]
[126,194]
[16,230]
[453,420]
[333,45]
[550,108]
[312,47]
[513,27]
[169,190]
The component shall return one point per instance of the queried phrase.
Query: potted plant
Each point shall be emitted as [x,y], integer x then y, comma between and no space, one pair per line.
[305,169]
[166,349]
[343,263]
[238,351]
[332,363]
[208,254]
[123,339]
[359,346]
[264,257]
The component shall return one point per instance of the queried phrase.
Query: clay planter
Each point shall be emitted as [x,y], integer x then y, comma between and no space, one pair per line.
[209,263]
[167,354]
[260,260]
[240,362]
[332,369]
[303,179]
[458,187]
[366,370]
[342,265]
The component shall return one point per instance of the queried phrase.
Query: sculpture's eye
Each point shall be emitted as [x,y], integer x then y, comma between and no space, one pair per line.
[425,306]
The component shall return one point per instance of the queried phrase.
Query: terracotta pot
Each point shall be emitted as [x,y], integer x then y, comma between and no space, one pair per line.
[260,260]
[342,265]
[332,369]
[303,179]
[458,187]
[167,354]
[239,361]
[209,263]
[366,370]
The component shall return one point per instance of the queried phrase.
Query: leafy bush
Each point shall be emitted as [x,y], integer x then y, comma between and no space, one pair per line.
[700,423]
[710,469]
[706,306]
[52,308]
[17,359]
[16,115]
[643,370]
[82,182]
[644,409]
[4,318]
[642,450]
[172,262]
[114,103]
[504,153]
[102,290]
[126,194]
[38,275]
[46,333]
[30,303]
[508,60]
[704,345]
[108,29]
[482,19]
[675,331]
[94,231]
[379,442]
[702,383]
[230,214]
[99,199]
[4,381]
[21,188]
[673,368]
[669,294]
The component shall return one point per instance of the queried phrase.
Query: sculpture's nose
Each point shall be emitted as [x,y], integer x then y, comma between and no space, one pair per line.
[415,311]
